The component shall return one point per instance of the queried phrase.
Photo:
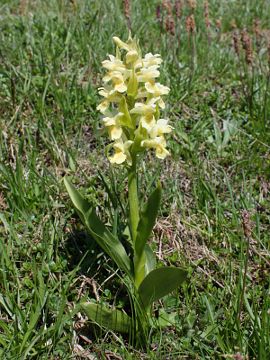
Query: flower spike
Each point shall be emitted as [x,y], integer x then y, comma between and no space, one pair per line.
[132,99]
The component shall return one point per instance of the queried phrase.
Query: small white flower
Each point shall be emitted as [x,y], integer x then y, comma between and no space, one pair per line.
[103,106]
[148,122]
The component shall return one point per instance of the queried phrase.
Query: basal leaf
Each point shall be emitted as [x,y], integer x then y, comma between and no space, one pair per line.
[150,263]
[107,317]
[144,264]
[78,200]
[159,283]
[106,240]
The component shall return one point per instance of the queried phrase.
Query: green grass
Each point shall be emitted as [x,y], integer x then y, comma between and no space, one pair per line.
[50,55]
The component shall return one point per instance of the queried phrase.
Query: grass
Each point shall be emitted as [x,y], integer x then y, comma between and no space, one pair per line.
[50,57]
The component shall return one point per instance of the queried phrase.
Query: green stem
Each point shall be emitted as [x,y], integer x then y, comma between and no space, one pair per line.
[134,220]
[133,199]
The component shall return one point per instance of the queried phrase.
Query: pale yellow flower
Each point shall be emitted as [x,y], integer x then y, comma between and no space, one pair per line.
[147,119]
[150,60]
[157,100]
[117,78]
[161,127]
[103,106]
[110,95]
[143,109]
[156,89]
[121,152]
[148,74]
[114,126]
[161,103]
[147,122]
[114,64]
[159,144]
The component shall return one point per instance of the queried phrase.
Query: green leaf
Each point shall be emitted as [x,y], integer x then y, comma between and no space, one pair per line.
[144,264]
[147,220]
[150,263]
[109,318]
[139,268]
[159,283]
[105,239]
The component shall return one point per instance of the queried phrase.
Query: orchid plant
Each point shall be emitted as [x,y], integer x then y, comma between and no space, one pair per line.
[131,105]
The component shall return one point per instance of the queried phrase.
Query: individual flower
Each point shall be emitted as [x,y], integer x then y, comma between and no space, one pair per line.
[143,109]
[117,79]
[148,74]
[110,95]
[151,60]
[161,127]
[121,152]
[103,106]
[114,126]
[159,144]
[114,64]
[156,89]
[147,119]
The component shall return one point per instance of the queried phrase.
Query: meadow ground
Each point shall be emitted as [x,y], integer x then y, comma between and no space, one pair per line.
[215,210]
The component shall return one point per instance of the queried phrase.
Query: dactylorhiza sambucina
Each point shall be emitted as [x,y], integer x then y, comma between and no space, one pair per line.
[132,99]
[132,103]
